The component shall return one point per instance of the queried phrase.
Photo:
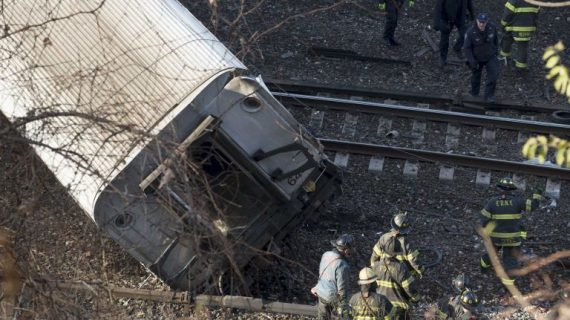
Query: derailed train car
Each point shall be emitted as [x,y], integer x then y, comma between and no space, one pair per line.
[135,108]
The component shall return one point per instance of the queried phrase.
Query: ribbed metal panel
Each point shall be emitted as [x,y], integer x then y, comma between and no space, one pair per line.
[119,65]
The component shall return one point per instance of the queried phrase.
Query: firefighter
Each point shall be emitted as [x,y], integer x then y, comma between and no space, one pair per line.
[481,50]
[449,14]
[519,23]
[461,283]
[395,281]
[502,216]
[461,307]
[392,9]
[400,227]
[332,286]
[367,304]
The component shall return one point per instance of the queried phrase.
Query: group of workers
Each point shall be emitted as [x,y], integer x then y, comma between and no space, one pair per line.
[388,286]
[478,43]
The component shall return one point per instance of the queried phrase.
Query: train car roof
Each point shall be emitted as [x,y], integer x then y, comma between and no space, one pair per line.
[88,82]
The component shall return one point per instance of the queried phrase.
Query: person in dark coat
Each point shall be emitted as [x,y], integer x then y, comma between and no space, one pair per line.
[504,213]
[392,9]
[449,14]
[519,24]
[481,49]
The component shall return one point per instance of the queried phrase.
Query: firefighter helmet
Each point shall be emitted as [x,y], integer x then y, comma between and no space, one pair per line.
[401,222]
[366,276]
[461,283]
[343,242]
[469,299]
[506,184]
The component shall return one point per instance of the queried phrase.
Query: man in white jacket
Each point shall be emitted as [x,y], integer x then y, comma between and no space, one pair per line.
[332,287]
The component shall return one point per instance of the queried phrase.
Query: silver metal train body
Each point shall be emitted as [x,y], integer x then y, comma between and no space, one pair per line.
[134,107]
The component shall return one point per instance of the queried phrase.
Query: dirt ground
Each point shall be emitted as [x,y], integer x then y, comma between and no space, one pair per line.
[54,239]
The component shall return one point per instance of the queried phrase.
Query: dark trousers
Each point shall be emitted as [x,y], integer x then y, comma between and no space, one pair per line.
[400,314]
[509,257]
[492,67]
[445,32]
[392,12]
[520,55]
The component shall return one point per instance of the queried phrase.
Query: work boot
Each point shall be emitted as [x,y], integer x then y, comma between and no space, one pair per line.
[391,41]
[459,54]
[490,99]
[442,63]
[504,61]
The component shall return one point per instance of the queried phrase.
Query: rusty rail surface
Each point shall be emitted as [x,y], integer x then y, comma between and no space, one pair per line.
[237,302]
[445,158]
[302,87]
[424,114]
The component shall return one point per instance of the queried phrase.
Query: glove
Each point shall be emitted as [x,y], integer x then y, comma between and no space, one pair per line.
[410,4]
[523,234]
[343,310]
[417,274]
[382,6]
[314,291]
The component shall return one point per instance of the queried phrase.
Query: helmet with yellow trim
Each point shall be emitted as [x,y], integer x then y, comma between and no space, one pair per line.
[401,222]
[506,184]
[461,283]
[469,300]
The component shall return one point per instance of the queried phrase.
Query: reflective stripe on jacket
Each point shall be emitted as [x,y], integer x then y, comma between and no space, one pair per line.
[396,283]
[505,211]
[373,307]
[520,18]
[404,251]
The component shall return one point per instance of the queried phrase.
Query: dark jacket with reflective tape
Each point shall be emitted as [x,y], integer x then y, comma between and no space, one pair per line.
[396,283]
[373,307]
[520,18]
[481,46]
[404,251]
[505,211]
[452,11]
[452,310]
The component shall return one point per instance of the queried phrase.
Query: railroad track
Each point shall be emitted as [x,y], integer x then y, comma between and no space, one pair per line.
[466,104]
[347,105]
[447,161]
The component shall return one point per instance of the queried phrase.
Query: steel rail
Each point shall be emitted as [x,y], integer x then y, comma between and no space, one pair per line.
[445,158]
[420,113]
[237,302]
[280,86]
